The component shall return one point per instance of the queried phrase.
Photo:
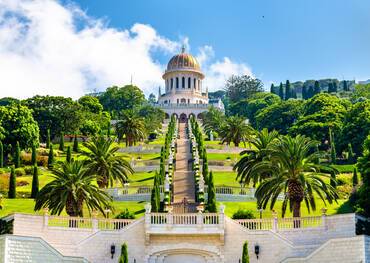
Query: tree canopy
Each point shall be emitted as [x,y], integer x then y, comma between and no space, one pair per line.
[242,87]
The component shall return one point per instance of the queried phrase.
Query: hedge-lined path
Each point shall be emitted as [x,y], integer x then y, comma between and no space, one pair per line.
[183,183]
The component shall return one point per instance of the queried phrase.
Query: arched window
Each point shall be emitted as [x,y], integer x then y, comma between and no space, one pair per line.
[183,101]
[177,82]
[189,83]
[183,82]
[171,83]
[195,84]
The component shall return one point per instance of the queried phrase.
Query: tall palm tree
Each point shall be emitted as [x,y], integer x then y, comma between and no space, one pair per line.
[103,162]
[259,142]
[235,129]
[132,126]
[213,119]
[72,188]
[295,174]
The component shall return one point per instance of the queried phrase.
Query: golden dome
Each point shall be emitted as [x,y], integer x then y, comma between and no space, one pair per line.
[183,61]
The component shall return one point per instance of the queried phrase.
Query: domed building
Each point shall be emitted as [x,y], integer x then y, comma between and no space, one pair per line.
[184,94]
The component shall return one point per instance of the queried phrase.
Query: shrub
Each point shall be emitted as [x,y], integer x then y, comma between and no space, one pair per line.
[126,214]
[28,170]
[42,161]
[355,177]
[124,257]
[12,184]
[17,156]
[22,183]
[243,214]
[51,157]
[19,172]
[4,183]
[35,182]
[245,256]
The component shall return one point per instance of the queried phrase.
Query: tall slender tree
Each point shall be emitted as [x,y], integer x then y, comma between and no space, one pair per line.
[245,256]
[75,144]
[1,155]
[351,155]
[33,155]
[335,86]
[35,182]
[109,129]
[304,92]
[317,88]
[211,204]
[272,88]
[281,91]
[124,255]
[61,142]
[51,157]
[17,156]
[205,166]
[345,85]
[69,154]
[355,177]
[288,91]
[47,138]
[333,152]
[12,184]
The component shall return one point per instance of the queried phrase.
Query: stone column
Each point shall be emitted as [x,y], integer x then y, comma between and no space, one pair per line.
[275,221]
[46,217]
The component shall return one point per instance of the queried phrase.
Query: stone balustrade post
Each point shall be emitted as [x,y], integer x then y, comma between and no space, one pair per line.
[221,222]
[169,219]
[46,217]
[94,221]
[148,208]
[274,221]
[200,219]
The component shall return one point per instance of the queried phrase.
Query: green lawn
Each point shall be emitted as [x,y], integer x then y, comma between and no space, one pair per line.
[225,179]
[222,156]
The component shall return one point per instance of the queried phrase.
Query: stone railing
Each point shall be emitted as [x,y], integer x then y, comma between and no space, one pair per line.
[182,106]
[86,223]
[276,224]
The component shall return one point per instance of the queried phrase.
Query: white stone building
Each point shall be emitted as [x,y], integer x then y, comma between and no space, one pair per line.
[185,93]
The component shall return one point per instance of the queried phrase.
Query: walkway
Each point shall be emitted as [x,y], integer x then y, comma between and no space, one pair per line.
[183,183]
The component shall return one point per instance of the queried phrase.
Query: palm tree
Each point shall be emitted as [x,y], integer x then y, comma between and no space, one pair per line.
[295,174]
[213,119]
[72,188]
[131,126]
[259,142]
[103,162]
[235,129]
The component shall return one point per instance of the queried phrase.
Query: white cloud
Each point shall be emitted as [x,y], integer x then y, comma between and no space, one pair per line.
[48,48]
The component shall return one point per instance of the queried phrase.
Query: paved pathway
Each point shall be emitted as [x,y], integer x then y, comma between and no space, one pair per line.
[183,183]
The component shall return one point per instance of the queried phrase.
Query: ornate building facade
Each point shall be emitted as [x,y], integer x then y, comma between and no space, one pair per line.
[185,94]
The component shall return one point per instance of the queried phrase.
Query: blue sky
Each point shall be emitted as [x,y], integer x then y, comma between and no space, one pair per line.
[71,48]
[278,39]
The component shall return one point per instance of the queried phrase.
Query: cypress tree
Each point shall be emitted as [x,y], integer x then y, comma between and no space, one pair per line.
[155,195]
[69,154]
[17,156]
[1,155]
[35,182]
[47,138]
[351,156]
[124,255]
[108,129]
[245,256]
[272,89]
[12,184]
[333,152]
[311,92]
[61,142]
[345,86]
[330,88]
[355,177]
[75,144]
[281,91]
[317,88]
[211,204]
[51,156]
[288,91]
[34,155]
[304,92]
[205,167]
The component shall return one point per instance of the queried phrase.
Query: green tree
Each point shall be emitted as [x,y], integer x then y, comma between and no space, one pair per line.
[236,130]
[242,87]
[12,184]
[281,91]
[295,175]
[213,120]
[155,195]
[132,126]
[103,162]
[272,89]
[109,129]
[361,91]
[335,87]
[18,125]
[288,90]
[35,182]
[205,166]
[345,85]
[61,142]
[305,94]
[330,88]
[90,128]
[362,203]
[124,255]
[260,141]
[72,189]
[33,155]
[317,88]
[1,155]
[333,152]
[75,144]
[351,155]
[279,116]
[55,113]
[211,204]
[115,99]
[48,139]
[69,154]
[51,157]
[245,256]
[17,156]
[153,118]
[355,177]
[91,104]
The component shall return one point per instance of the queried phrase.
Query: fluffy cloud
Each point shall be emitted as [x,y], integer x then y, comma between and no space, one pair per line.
[48,48]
